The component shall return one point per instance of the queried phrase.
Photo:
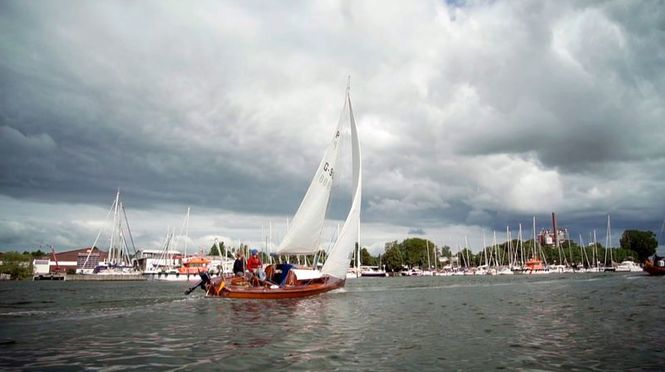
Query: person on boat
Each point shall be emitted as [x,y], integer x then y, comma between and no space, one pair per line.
[255,268]
[254,262]
[239,264]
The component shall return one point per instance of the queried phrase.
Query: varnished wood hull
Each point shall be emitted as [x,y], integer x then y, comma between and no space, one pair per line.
[267,293]
[653,269]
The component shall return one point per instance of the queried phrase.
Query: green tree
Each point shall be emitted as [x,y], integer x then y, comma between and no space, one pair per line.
[215,252]
[18,266]
[444,251]
[392,258]
[415,252]
[38,253]
[643,243]
[366,258]
[467,258]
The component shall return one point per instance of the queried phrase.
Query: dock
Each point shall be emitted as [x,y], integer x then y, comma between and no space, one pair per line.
[111,277]
[49,276]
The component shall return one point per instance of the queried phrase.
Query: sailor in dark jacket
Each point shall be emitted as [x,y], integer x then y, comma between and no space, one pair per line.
[239,264]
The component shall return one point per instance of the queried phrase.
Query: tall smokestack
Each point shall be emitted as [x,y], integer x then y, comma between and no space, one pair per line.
[556,236]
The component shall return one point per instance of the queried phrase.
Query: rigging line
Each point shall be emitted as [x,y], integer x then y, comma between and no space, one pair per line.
[163,256]
[659,238]
[97,238]
[128,229]
[125,248]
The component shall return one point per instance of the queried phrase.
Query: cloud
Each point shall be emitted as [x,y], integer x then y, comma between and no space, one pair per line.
[470,114]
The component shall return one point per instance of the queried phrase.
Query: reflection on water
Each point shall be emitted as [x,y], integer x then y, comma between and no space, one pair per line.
[600,321]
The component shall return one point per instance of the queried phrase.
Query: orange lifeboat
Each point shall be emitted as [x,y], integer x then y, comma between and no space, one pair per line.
[534,264]
[194,265]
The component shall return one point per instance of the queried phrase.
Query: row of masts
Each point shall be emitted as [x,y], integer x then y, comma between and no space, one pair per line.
[517,256]
[122,248]
[513,256]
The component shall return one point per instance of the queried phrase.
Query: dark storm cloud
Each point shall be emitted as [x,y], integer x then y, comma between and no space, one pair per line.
[471,114]
[578,87]
[84,113]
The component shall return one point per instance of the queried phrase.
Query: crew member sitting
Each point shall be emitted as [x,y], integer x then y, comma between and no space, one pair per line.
[239,264]
[254,265]
[254,262]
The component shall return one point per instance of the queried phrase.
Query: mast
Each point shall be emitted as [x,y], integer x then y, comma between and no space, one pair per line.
[495,247]
[595,248]
[534,238]
[358,249]
[459,263]
[270,241]
[129,231]
[465,251]
[436,253]
[609,242]
[556,237]
[521,238]
[485,250]
[509,240]
[112,258]
[582,251]
[186,230]
[570,249]
[429,264]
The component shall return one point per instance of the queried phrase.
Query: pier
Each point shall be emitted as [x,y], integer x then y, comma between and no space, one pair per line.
[97,277]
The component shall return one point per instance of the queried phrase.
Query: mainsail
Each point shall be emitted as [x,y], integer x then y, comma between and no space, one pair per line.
[304,233]
[341,253]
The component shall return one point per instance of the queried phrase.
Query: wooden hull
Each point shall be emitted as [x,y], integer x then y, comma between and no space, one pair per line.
[653,269]
[229,290]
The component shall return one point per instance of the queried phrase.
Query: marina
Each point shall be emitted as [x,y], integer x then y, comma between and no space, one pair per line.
[332,185]
[559,321]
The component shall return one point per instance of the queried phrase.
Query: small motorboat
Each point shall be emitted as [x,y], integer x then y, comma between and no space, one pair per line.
[628,266]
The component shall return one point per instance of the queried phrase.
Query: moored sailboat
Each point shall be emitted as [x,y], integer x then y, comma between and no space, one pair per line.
[303,236]
[121,245]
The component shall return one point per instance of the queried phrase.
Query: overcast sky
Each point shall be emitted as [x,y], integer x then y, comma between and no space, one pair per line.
[472,116]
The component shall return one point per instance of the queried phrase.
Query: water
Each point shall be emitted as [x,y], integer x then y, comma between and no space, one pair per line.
[550,322]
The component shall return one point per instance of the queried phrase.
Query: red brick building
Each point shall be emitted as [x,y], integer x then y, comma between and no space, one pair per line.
[72,260]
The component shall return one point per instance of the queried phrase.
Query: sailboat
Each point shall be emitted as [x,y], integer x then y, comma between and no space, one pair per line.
[119,258]
[608,248]
[304,232]
[354,272]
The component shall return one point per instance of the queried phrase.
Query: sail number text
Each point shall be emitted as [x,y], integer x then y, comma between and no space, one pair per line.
[327,170]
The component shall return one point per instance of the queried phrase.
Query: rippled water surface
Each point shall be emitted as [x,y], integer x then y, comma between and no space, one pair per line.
[550,322]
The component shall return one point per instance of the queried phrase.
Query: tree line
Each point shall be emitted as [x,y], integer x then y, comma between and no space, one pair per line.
[635,245]
[18,265]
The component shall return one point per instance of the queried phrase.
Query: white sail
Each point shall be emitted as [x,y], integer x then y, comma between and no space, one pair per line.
[341,253]
[304,233]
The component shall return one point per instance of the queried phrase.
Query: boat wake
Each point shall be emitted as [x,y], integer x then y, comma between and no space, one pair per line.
[26,313]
